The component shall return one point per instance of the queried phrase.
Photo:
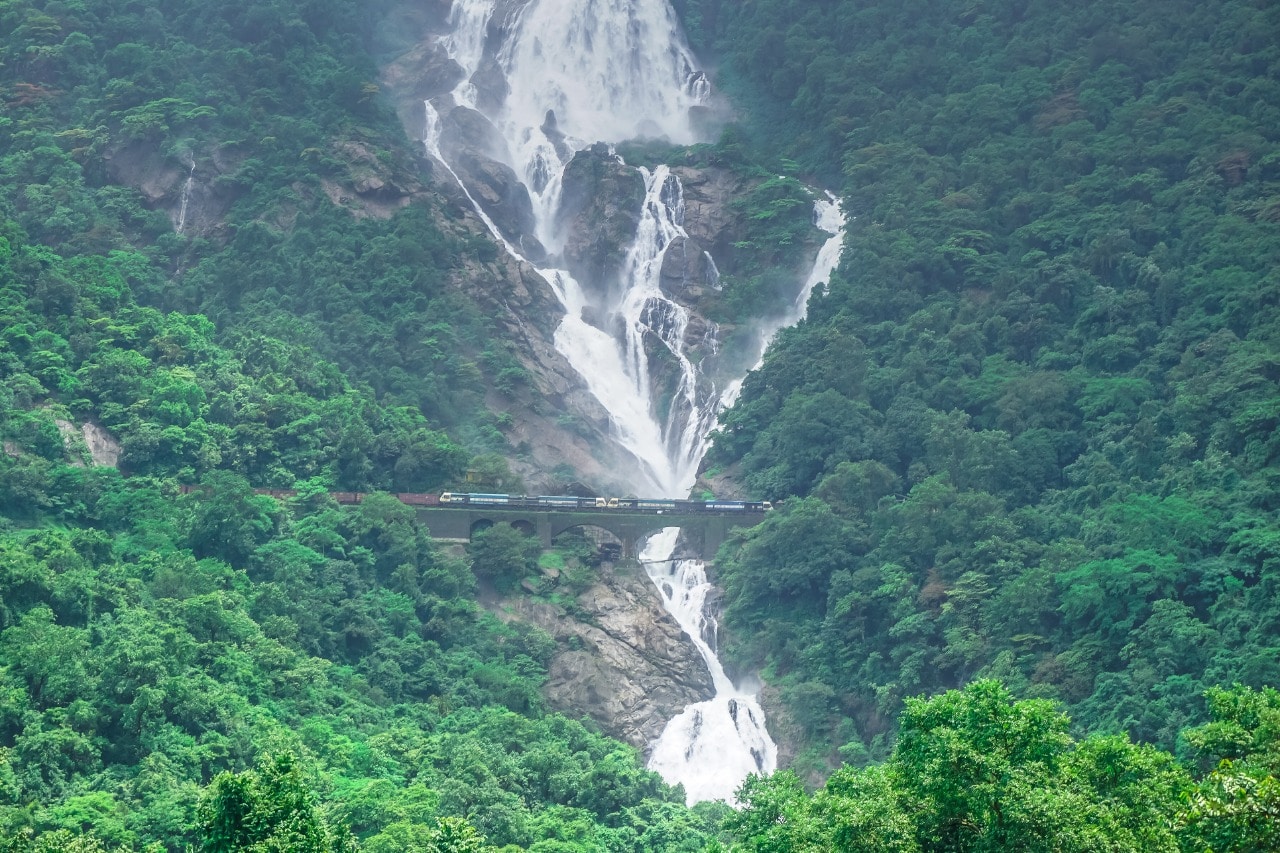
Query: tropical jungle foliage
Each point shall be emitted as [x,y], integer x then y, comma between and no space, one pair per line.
[223,670]
[1030,433]
[216,670]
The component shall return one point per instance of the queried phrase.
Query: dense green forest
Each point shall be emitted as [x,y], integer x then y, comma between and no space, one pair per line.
[1027,443]
[270,102]
[1032,430]
[219,671]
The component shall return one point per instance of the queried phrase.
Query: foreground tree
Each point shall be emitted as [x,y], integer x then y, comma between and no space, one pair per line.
[976,771]
[268,809]
[1237,807]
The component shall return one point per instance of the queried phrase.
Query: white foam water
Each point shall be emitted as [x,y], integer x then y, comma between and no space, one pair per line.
[613,71]
[712,746]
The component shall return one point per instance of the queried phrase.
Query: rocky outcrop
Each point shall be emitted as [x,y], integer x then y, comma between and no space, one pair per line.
[491,85]
[369,187]
[709,217]
[103,449]
[189,192]
[600,203]
[622,660]
[688,271]
[479,159]
[422,73]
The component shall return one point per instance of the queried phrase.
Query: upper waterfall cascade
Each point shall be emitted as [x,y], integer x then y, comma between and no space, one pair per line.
[552,77]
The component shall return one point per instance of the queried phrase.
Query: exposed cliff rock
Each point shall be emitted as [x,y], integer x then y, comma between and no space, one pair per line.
[189,192]
[600,204]
[369,187]
[479,158]
[785,731]
[709,217]
[102,448]
[688,272]
[491,85]
[420,74]
[622,660]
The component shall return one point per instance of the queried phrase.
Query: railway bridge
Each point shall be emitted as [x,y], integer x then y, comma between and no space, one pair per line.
[704,530]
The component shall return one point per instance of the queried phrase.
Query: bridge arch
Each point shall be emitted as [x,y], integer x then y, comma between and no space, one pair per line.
[563,524]
[607,544]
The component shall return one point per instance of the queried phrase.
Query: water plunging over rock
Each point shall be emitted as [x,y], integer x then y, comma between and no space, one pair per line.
[622,662]
[546,89]
[711,746]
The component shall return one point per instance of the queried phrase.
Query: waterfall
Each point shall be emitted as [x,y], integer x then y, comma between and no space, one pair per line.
[186,198]
[712,746]
[552,78]
[828,217]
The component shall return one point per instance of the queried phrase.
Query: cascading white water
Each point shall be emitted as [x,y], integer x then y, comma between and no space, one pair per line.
[828,217]
[578,72]
[608,72]
[712,746]
[650,313]
[186,198]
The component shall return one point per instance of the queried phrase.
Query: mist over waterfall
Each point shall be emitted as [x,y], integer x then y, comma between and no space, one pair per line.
[543,82]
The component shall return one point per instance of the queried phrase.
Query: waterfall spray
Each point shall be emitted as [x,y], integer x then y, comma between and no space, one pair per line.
[578,72]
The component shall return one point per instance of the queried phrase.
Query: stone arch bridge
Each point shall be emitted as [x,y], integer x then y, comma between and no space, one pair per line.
[704,530]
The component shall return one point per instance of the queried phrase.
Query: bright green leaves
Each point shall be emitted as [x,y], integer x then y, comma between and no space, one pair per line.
[271,808]
[1056,301]
[503,555]
[1237,807]
[970,759]
[1109,596]
[229,521]
[975,770]
[775,816]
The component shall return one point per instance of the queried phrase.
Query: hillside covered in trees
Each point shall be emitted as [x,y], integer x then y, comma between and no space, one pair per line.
[1026,443]
[1032,430]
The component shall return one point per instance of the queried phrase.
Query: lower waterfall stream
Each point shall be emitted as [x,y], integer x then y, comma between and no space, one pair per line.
[712,746]
[639,52]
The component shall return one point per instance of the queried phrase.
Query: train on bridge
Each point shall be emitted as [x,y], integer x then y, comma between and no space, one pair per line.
[654,505]
[657,506]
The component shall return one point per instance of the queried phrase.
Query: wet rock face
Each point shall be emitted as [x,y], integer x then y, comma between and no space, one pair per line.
[687,271]
[491,85]
[423,73]
[195,201]
[465,130]
[599,212]
[624,663]
[478,156]
[708,215]
[489,79]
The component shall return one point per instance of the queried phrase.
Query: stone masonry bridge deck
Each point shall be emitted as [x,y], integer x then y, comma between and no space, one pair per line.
[704,530]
